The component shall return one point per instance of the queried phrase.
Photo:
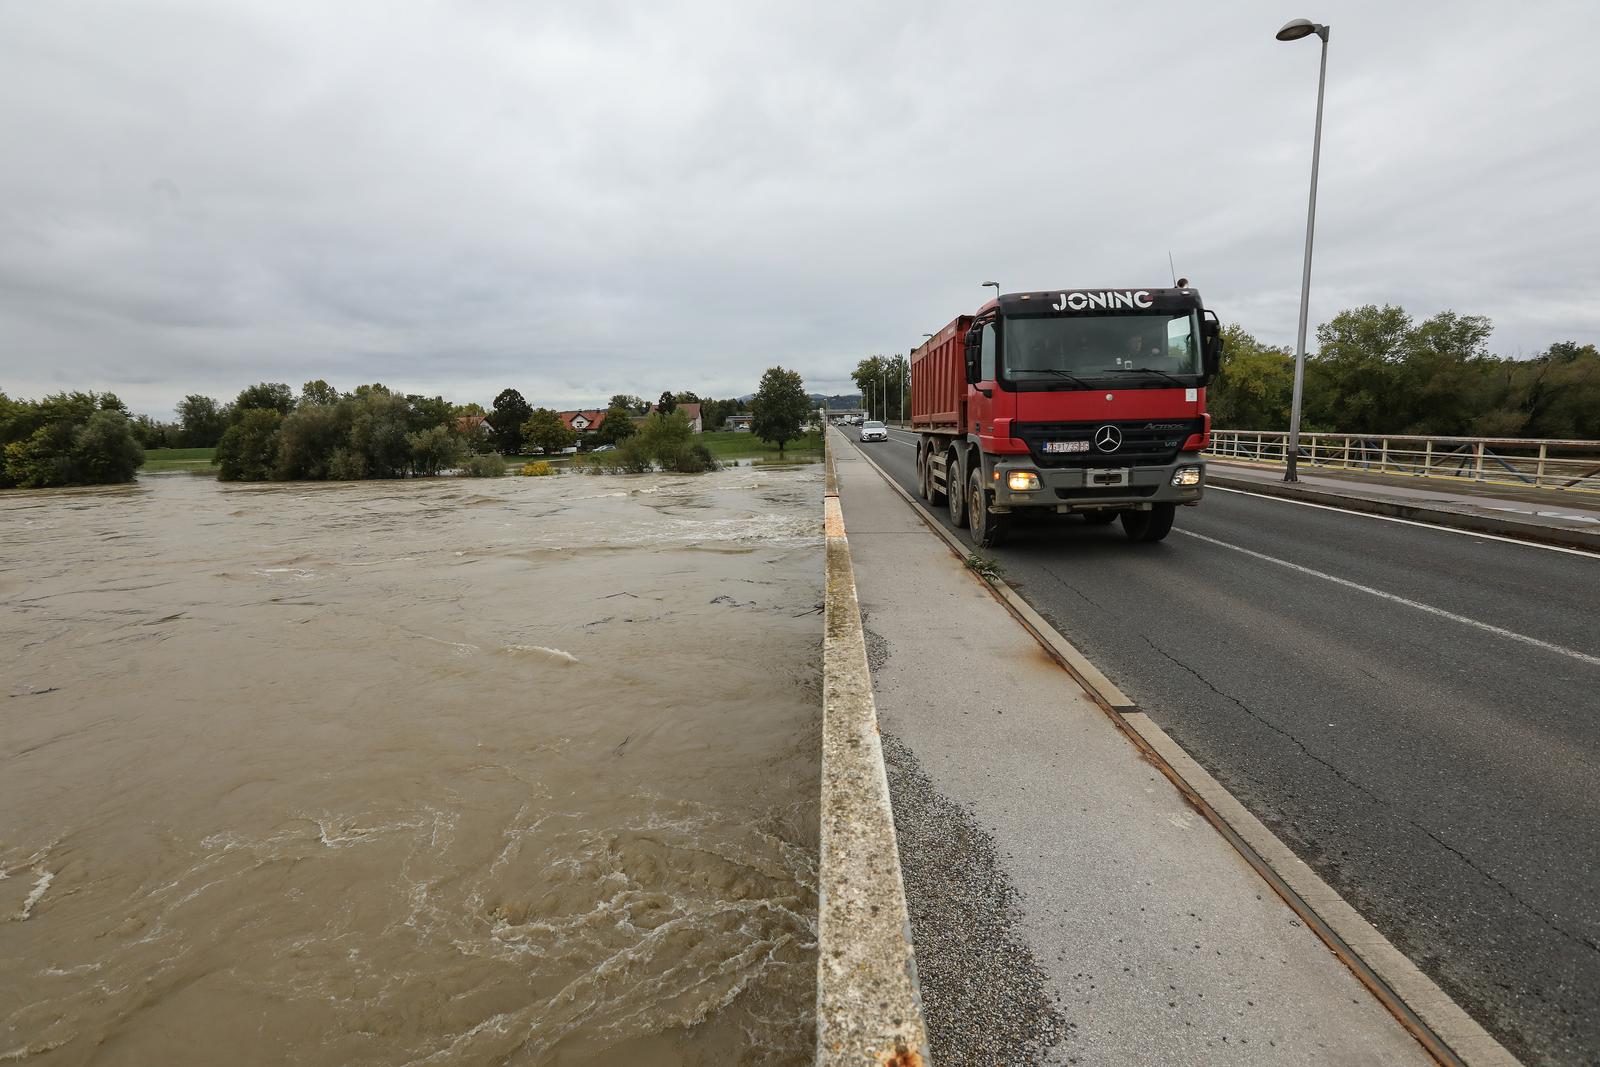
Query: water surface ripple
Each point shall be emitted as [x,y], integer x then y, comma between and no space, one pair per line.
[514,771]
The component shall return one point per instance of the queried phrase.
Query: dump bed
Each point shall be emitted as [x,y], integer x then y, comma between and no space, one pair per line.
[939,380]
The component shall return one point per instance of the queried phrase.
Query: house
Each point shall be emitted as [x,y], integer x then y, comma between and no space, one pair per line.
[691,412]
[583,421]
[474,424]
[738,423]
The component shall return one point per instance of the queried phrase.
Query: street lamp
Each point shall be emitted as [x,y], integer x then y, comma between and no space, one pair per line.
[1293,31]
[996,288]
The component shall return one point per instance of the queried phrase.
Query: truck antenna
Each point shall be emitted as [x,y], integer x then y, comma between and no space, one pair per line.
[1172,268]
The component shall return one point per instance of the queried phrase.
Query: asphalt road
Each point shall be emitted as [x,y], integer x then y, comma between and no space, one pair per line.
[1416,712]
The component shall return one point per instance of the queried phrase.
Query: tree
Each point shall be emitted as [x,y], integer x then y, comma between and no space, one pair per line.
[618,424]
[715,412]
[202,420]
[434,450]
[663,436]
[1352,380]
[780,407]
[633,404]
[668,403]
[318,392]
[430,411]
[1255,385]
[462,410]
[880,379]
[544,429]
[152,433]
[270,396]
[248,452]
[104,451]
[308,439]
[379,432]
[69,441]
[510,412]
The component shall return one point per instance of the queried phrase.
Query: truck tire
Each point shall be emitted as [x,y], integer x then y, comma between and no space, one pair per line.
[930,492]
[1103,517]
[954,497]
[988,529]
[1149,526]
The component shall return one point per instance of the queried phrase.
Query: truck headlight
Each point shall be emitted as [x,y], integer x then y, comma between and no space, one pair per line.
[1022,481]
[1186,476]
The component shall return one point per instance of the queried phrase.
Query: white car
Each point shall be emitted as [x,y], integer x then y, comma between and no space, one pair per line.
[874,431]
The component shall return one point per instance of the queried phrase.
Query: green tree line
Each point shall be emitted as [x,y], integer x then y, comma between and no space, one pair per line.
[323,434]
[268,432]
[1376,370]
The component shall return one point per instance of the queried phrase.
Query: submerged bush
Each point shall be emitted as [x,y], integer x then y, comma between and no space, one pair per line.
[66,439]
[248,452]
[434,450]
[483,465]
[693,458]
[347,465]
[537,469]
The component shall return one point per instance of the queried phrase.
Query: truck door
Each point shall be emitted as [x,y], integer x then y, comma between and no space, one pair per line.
[987,400]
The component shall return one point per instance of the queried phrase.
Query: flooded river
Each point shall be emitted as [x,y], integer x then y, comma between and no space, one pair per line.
[449,771]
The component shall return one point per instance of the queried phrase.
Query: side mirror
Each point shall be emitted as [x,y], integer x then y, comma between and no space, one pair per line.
[1211,344]
[974,353]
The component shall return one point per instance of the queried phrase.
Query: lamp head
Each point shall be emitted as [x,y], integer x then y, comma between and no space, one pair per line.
[1295,29]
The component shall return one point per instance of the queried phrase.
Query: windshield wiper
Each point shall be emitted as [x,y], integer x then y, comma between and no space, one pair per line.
[1148,370]
[1051,370]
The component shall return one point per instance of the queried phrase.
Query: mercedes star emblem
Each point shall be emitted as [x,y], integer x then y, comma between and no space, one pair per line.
[1108,438]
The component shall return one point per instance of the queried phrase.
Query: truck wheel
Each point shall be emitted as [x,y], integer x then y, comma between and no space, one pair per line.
[1150,525]
[1103,517]
[930,492]
[987,530]
[954,496]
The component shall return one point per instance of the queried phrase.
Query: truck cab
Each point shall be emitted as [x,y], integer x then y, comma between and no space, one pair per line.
[1084,401]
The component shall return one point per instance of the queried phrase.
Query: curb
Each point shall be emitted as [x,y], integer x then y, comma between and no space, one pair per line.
[869,1007]
[1456,520]
[1440,1025]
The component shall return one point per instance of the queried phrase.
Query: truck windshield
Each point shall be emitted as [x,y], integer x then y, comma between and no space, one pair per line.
[1059,348]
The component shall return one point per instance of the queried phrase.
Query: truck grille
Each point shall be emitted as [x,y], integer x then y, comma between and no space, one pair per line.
[1145,442]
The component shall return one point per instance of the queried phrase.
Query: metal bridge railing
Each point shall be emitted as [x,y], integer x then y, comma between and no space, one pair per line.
[1525,462]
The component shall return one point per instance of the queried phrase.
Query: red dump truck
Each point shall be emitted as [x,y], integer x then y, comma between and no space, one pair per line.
[1083,401]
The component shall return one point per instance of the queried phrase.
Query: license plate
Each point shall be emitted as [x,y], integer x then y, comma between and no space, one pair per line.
[1066,446]
[1113,476]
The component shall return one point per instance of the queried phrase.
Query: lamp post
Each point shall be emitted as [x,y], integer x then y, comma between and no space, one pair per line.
[996,286]
[1293,31]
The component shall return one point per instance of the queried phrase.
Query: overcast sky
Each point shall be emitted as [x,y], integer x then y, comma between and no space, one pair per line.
[592,198]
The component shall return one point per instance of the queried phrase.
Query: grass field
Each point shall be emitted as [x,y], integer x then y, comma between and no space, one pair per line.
[730,445]
[157,460]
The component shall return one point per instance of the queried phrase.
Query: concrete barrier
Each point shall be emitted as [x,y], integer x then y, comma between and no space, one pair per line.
[869,1010]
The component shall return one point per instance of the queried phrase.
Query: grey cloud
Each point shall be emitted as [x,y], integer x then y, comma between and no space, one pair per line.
[614,197]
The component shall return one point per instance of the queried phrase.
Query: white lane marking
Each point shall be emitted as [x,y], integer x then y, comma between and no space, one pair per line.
[1498,631]
[1407,522]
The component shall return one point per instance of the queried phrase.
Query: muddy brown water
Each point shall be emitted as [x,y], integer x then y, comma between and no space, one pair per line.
[449,771]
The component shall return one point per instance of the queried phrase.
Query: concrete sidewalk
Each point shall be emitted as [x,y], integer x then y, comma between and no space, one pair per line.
[1546,515]
[1068,905]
